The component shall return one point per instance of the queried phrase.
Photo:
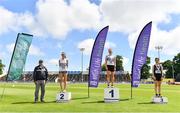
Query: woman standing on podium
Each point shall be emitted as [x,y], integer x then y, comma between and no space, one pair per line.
[157,71]
[63,68]
[110,63]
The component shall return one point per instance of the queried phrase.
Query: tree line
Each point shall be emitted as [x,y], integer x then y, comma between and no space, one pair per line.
[1,67]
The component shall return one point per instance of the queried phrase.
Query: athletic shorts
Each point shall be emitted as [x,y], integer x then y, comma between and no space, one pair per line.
[158,77]
[110,68]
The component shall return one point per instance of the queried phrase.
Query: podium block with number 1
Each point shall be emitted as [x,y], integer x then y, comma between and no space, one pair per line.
[111,95]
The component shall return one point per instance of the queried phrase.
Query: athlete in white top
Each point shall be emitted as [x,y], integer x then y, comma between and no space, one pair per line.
[63,67]
[110,60]
[110,63]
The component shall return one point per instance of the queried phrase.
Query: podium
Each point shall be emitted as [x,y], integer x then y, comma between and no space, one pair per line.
[111,95]
[63,97]
[159,100]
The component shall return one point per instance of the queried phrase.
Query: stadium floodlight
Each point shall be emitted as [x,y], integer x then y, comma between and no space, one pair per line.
[159,48]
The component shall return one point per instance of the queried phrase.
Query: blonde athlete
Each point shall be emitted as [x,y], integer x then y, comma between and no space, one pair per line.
[63,67]
[110,63]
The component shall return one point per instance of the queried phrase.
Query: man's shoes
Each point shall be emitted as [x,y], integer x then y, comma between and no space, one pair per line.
[35,101]
[42,101]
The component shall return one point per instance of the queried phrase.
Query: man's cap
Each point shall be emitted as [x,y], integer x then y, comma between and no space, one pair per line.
[40,61]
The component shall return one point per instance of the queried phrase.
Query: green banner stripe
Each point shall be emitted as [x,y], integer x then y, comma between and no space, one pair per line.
[19,56]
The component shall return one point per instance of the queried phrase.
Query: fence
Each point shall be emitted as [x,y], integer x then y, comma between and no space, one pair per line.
[75,76]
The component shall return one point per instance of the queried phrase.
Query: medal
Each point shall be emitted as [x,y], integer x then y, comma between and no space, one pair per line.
[158,71]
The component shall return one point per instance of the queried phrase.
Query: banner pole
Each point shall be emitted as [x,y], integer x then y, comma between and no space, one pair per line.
[12,57]
[96,58]
[140,54]
[2,95]
[131,86]
[88,91]
[88,85]
[6,80]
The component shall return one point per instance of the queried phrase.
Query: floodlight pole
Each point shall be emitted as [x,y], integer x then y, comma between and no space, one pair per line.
[159,48]
[82,50]
[173,71]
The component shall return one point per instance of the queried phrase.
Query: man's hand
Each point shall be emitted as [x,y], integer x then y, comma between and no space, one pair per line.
[34,82]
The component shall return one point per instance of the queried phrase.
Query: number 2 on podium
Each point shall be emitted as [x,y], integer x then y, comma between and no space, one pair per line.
[112,93]
[62,96]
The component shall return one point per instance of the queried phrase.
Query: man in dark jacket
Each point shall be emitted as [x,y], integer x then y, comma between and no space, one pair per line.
[40,76]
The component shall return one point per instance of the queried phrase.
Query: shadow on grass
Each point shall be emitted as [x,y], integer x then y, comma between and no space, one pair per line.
[79,98]
[102,101]
[126,99]
[146,103]
[93,102]
[33,102]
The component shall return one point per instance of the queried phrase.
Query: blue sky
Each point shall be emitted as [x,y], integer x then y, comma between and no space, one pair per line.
[59,25]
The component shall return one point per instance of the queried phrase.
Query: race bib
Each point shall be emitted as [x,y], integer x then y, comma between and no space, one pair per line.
[158,71]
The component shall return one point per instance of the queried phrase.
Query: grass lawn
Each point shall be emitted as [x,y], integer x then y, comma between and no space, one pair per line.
[20,99]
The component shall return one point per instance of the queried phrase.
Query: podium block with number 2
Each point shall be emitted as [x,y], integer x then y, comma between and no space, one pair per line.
[63,97]
[111,95]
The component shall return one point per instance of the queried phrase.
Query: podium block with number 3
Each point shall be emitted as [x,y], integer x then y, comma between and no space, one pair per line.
[63,97]
[160,100]
[111,95]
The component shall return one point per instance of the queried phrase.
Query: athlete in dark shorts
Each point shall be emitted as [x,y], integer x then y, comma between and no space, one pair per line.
[110,68]
[110,63]
[157,71]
